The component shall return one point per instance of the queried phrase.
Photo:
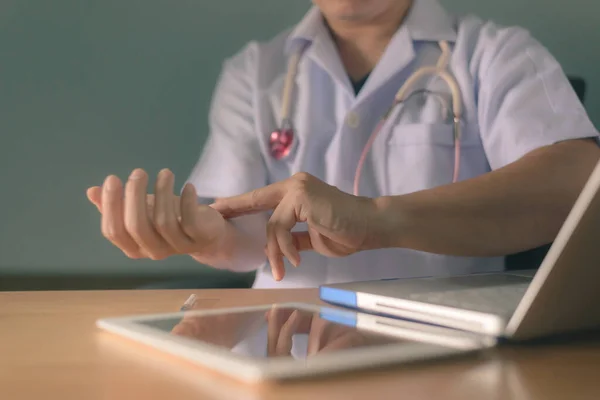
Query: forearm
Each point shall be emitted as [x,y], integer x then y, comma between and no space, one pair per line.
[512,209]
[242,247]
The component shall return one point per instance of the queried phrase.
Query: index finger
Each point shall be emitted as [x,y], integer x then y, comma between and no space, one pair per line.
[277,317]
[265,198]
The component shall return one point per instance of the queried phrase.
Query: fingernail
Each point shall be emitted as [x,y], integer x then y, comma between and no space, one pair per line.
[292,261]
[137,174]
[111,183]
[189,188]
[165,172]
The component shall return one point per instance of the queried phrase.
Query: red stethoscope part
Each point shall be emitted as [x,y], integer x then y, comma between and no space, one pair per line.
[280,143]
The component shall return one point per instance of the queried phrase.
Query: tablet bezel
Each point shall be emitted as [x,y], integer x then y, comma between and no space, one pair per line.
[430,342]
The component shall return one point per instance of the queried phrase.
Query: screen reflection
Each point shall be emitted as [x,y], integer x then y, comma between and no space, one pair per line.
[278,332]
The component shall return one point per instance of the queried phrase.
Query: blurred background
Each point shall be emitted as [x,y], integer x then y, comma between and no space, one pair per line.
[90,88]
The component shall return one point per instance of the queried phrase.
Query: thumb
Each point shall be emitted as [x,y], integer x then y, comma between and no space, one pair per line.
[94,195]
[302,241]
[345,238]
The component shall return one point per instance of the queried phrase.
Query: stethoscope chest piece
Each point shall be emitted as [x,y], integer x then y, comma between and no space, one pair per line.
[281,141]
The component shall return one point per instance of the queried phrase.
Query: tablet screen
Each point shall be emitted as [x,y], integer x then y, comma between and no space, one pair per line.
[276,332]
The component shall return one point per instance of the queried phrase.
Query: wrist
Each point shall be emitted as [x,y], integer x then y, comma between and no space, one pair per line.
[218,253]
[390,222]
[235,249]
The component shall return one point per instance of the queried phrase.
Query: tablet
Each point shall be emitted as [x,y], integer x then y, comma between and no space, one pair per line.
[292,340]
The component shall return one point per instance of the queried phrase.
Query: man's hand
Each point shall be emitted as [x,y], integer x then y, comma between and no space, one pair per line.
[283,323]
[225,330]
[160,225]
[339,224]
[323,335]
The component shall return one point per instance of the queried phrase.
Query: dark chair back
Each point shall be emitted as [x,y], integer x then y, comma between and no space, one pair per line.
[532,259]
[579,86]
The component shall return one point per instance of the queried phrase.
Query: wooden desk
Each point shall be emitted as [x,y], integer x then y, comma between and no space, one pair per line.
[51,349]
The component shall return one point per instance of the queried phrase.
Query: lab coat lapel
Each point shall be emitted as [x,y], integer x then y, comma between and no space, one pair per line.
[326,55]
[398,55]
[426,21]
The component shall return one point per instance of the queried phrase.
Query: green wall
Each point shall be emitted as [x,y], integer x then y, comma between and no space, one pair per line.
[89,88]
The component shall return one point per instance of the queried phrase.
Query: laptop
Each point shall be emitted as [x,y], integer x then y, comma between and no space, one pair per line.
[563,295]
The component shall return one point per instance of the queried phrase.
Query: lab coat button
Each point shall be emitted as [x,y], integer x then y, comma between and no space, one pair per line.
[352,120]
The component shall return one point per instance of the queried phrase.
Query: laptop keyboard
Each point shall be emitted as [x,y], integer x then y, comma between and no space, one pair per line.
[494,299]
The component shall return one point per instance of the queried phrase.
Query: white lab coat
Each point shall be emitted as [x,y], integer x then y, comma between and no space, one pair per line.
[515,98]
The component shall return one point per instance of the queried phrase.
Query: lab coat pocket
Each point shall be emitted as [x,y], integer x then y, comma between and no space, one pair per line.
[421,156]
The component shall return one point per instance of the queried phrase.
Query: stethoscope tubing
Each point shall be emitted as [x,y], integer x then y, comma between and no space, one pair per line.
[440,70]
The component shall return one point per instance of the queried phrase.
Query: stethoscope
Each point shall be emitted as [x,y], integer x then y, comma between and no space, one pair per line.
[281,140]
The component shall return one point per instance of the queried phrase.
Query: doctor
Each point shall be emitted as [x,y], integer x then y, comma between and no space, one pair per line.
[408,140]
